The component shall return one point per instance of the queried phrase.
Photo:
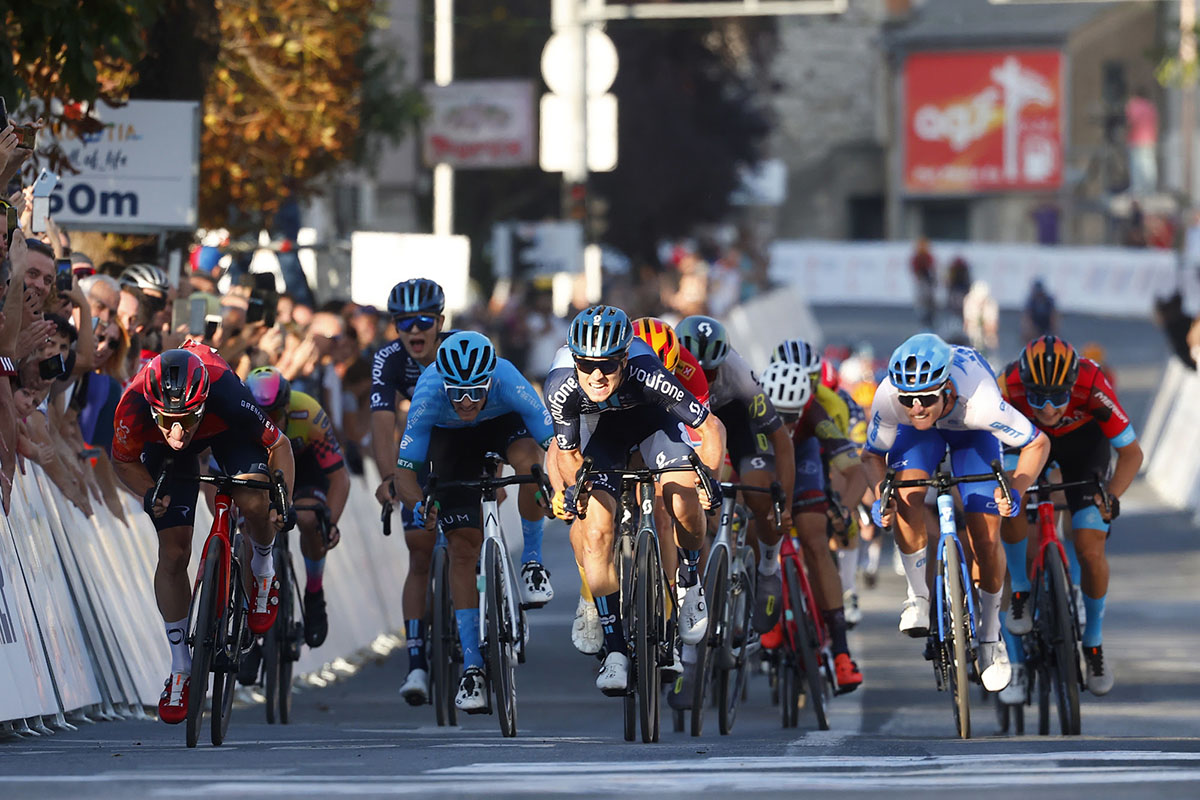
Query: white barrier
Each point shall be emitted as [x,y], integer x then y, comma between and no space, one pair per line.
[1172,439]
[756,326]
[1094,280]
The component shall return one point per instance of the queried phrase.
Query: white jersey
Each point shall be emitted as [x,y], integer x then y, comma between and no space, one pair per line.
[979,407]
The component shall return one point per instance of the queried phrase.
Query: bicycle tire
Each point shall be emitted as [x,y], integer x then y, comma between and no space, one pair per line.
[441,637]
[202,644]
[806,644]
[647,589]
[957,631]
[629,716]
[293,636]
[731,681]
[716,586]
[1043,687]
[499,648]
[271,650]
[788,683]
[225,684]
[1064,669]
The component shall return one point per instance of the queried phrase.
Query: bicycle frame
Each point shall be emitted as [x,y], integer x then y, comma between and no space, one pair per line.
[225,511]
[824,642]
[492,530]
[948,535]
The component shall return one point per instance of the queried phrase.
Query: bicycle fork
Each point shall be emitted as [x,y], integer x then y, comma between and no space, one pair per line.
[949,536]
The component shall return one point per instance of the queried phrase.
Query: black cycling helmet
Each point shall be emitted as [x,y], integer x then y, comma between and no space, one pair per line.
[177,382]
[416,296]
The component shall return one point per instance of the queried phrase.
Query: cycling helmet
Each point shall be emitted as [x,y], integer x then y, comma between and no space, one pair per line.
[146,277]
[466,358]
[661,338]
[705,338]
[600,332]
[798,351]
[829,375]
[921,362]
[270,389]
[1049,364]
[788,386]
[176,382]
[416,296]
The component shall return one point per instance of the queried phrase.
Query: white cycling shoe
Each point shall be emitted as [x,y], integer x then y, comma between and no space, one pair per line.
[415,689]
[536,590]
[914,617]
[471,696]
[850,607]
[613,679]
[994,669]
[1014,693]
[1019,621]
[693,613]
[586,633]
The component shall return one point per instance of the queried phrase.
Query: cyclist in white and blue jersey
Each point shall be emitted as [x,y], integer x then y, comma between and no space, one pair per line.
[936,397]
[473,404]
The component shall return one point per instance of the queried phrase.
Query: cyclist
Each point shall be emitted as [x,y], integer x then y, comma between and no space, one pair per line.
[182,403]
[1070,400]
[935,397]
[471,404]
[755,435]
[321,477]
[615,384]
[813,432]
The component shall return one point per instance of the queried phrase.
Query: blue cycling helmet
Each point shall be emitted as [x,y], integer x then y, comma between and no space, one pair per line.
[466,358]
[705,338]
[600,332]
[921,362]
[416,296]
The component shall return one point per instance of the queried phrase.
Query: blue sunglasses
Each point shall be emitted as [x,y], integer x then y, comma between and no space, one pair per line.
[1057,400]
[421,322]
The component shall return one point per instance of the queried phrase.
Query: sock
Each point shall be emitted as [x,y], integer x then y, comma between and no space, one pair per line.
[835,620]
[1014,644]
[874,550]
[181,657]
[768,557]
[315,574]
[584,590]
[848,568]
[468,636]
[989,616]
[532,534]
[1093,629]
[414,636]
[609,609]
[261,563]
[689,564]
[1072,561]
[1019,575]
[914,571]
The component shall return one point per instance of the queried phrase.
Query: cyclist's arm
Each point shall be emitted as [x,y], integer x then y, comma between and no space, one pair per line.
[712,443]
[1030,462]
[134,475]
[383,442]
[856,482]
[567,466]
[279,457]
[339,492]
[1129,461]
[785,462]
[874,470]
[408,489]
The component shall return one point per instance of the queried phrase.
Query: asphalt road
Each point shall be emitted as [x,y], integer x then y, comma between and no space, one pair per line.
[356,737]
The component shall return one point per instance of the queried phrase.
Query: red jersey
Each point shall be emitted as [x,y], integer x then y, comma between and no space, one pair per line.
[230,406]
[687,369]
[1092,399]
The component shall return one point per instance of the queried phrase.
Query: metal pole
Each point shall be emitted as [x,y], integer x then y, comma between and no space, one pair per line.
[1187,95]
[443,75]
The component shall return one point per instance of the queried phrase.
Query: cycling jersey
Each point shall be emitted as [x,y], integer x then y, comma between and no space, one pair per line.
[644,381]
[687,369]
[394,371]
[857,418]
[978,407]
[313,440]
[1093,399]
[510,392]
[230,407]
[835,407]
[735,381]
[836,448]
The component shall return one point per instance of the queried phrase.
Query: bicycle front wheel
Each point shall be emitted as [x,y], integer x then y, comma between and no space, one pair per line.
[648,606]
[1064,671]
[203,635]
[805,642]
[716,587]
[441,641]
[958,635]
[500,645]
[229,647]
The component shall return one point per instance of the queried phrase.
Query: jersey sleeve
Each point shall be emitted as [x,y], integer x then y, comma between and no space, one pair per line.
[518,394]
[882,423]
[385,369]
[562,399]
[324,442]
[987,410]
[837,449]
[229,398]
[691,376]
[422,416]
[746,388]
[662,388]
[130,423]
[1108,413]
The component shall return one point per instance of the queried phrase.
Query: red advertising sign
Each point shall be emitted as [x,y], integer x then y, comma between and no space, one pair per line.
[982,121]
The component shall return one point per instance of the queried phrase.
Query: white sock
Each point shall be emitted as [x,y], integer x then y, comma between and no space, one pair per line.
[261,563]
[768,557]
[873,551]
[989,616]
[848,568]
[181,657]
[914,573]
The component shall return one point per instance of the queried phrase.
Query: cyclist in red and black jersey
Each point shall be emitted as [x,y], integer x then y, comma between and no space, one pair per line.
[184,402]
[1071,400]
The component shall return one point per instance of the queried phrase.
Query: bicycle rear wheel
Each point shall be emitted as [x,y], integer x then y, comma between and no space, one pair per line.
[733,657]
[444,683]
[293,635]
[500,646]
[788,689]
[1064,669]
[716,587]
[647,600]
[202,642]
[805,642]
[958,634]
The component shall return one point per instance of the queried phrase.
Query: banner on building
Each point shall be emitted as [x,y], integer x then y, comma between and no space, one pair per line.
[978,121]
[480,124]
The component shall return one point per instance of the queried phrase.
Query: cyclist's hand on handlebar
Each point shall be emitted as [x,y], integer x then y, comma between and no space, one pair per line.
[1004,506]
[335,536]
[1114,507]
[160,505]
[386,491]
[425,515]
[883,517]
[785,517]
[567,502]
[710,503]
[281,521]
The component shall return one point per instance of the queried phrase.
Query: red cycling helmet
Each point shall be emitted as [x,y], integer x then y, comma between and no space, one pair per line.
[176,382]
[829,374]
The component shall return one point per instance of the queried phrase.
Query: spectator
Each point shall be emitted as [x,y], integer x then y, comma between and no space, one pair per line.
[1177,326]
[1141,119]
[981,319]
[958,283]
[924,279]
[1041,313]
[1045,221]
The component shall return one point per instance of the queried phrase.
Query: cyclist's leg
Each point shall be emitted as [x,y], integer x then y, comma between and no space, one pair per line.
[915,454]
[312,549]
[244,459]
[1014,538]
[522,452]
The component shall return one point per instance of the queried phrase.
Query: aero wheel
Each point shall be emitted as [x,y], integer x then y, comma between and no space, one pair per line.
[292,632]
[716,590]
[202,641]
[272,650]
[647,600]
[500,646]
[805,643]
[1064,669]
[441,640]
[789,689]
[232,626]
[731,680]
[957,633]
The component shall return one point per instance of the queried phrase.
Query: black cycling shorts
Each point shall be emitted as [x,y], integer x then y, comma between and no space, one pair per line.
[652,430]
[459,454]
[1081,454]
[234,454]
[748,450]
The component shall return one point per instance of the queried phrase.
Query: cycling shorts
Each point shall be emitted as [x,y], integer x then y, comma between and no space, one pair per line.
[809,494]
[661,438]
[971,453]
[748,450]
[233,453]
[459,454]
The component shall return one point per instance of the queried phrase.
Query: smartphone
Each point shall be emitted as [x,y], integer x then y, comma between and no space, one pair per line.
[41,215]
[197,312]
[255,311]
[63,275]
[3,114]
[50,368]
[26,136]
[13,218]
[211,323]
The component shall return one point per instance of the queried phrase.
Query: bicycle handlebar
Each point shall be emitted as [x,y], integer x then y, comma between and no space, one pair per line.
[943,481]
[775,490]
[1041,490]
[536,476]
[642,474]
[276,486]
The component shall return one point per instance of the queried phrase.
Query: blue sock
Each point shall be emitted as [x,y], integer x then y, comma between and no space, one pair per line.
[689,565]
[1072,561]
[468,636]
[609,609]
[1092,631]
[1015,553]
[1014,644]
[531,532]
[314,572]
[414,635]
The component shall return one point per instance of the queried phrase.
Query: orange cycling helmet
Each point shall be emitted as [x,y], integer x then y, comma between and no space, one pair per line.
[661,338]
[1049,364]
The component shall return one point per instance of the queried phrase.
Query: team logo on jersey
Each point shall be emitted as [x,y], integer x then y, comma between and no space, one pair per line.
[1000,426]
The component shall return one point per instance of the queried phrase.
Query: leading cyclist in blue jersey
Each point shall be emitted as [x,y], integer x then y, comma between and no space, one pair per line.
[472,404]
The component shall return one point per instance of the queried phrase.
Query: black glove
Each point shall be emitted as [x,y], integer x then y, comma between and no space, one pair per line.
[718,494]
[147,500]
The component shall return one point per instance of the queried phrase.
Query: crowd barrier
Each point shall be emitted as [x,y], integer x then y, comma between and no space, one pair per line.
[1171,440]
[1112,281]
[756,326]
[80,634]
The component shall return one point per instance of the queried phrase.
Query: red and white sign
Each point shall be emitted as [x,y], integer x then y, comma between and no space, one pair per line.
[480,124]
[983,121]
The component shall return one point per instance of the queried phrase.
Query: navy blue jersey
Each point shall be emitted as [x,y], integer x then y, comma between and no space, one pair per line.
[394,371]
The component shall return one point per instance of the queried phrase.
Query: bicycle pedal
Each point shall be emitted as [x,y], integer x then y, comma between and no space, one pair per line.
[617,692]
[531,606]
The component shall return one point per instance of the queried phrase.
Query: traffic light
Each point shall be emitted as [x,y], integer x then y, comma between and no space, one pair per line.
[575,201]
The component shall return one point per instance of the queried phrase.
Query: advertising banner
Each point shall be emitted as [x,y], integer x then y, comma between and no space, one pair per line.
[983,121]
[480,124]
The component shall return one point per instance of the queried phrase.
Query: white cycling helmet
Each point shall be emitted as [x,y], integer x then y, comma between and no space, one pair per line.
[788,386]
[798,351]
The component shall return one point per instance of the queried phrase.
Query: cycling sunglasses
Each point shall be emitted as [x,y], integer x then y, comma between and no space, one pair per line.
[1040,401]
[606,366]
[186,421]
[460,394]
[789,417]
[420,322]
[927,400]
